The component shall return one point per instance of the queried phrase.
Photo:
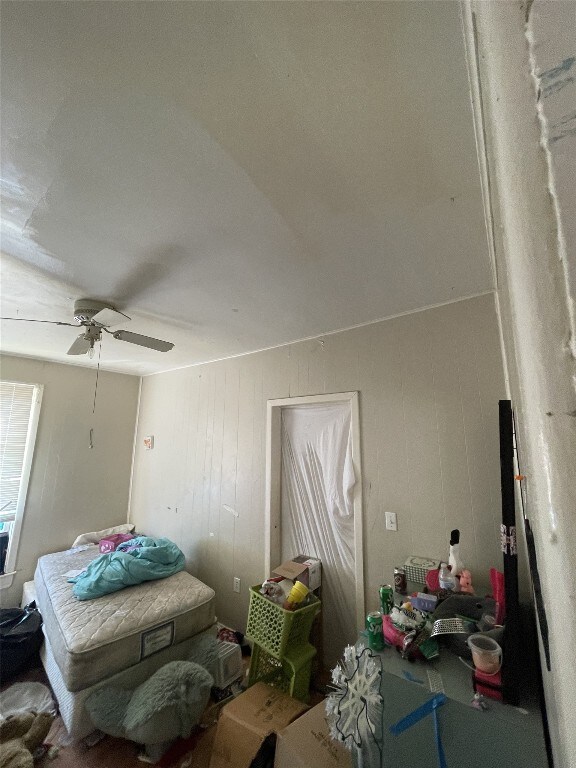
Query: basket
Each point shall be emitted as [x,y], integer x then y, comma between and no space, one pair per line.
[290,675]
[275,629]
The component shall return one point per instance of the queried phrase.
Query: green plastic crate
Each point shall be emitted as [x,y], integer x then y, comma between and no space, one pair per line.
[275,629]
[266,669]
[290,675]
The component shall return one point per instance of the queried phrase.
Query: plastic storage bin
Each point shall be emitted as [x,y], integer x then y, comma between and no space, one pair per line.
[275,629]
[228,664]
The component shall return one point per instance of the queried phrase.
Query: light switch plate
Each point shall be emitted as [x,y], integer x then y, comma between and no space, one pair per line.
[391,521]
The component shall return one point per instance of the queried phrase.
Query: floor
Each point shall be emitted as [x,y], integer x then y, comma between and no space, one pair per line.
[120,753]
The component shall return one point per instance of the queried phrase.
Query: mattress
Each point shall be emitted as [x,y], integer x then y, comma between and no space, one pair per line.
[92,640]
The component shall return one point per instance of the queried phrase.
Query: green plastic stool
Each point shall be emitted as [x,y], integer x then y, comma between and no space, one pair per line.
[290,674]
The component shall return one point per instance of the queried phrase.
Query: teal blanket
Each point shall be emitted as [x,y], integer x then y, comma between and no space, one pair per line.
[151,559]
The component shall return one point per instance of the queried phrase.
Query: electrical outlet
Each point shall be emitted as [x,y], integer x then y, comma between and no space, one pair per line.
[236,584]
[391,522]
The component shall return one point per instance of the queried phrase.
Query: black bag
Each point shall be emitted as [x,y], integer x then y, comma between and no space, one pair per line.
[20,639]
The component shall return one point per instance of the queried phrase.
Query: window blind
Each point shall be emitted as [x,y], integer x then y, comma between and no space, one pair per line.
[15,407]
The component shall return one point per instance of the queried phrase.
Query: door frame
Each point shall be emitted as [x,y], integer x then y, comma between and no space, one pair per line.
[273,496]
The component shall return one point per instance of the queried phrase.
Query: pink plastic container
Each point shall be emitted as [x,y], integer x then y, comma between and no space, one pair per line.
[110,543]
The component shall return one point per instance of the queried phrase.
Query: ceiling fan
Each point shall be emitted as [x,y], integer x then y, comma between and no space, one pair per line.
[94,317]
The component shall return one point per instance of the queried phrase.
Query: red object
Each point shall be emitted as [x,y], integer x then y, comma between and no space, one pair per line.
[227,635]
[432,580]
[110,543]
[499,594]
[394,636]
[487,685]
[400,583]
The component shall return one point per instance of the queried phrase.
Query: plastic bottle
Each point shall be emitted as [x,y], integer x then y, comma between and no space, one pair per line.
[296,596]
[445,577]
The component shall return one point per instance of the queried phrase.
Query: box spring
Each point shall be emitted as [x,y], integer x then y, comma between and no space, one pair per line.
[72,705]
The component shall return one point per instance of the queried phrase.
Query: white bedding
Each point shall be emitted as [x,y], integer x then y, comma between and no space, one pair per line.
[93,639]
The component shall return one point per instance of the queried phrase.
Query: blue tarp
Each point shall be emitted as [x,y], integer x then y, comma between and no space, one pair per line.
[150,559]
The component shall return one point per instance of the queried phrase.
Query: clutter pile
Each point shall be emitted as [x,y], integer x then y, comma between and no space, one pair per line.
[27,712]
[21,736]
[280,617]
[443,610]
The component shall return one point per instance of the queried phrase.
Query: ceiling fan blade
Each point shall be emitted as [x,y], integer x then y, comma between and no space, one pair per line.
[28,320]
[80,346]
[143,341]
[109,317]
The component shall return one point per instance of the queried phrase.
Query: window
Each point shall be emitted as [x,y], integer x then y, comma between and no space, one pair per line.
[19,412]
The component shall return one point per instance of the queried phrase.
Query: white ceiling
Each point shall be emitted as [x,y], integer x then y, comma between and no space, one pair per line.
[234,176]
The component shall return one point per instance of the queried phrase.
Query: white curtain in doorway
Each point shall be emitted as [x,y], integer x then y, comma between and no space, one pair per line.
[318,509]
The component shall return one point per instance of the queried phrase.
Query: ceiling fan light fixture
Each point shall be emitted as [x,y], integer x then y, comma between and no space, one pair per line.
[85,341]
[94,317]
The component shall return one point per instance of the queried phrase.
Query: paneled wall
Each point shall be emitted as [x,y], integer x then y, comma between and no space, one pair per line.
[73,488]
[429,387]
[526,66]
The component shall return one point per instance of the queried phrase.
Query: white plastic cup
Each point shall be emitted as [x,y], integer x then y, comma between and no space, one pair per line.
[486,653]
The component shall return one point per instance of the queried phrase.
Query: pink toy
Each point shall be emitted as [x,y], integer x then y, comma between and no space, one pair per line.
[466,582]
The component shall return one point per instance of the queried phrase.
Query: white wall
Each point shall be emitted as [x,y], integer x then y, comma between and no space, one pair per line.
[73,488]
[532,150]
[429,387]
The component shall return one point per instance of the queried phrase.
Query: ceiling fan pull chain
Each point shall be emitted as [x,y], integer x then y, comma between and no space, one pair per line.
[96,384]
[95,393]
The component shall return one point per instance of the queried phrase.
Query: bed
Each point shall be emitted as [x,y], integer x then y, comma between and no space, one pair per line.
[119,639]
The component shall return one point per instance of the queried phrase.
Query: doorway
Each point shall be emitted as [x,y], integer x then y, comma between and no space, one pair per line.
[314,503]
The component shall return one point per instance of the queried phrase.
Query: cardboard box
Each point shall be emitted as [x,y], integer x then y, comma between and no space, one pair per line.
[307,743]
[246,721]
[306,569]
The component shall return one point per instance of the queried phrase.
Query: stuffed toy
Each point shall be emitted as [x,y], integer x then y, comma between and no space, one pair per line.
[165,707]
[20,736]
